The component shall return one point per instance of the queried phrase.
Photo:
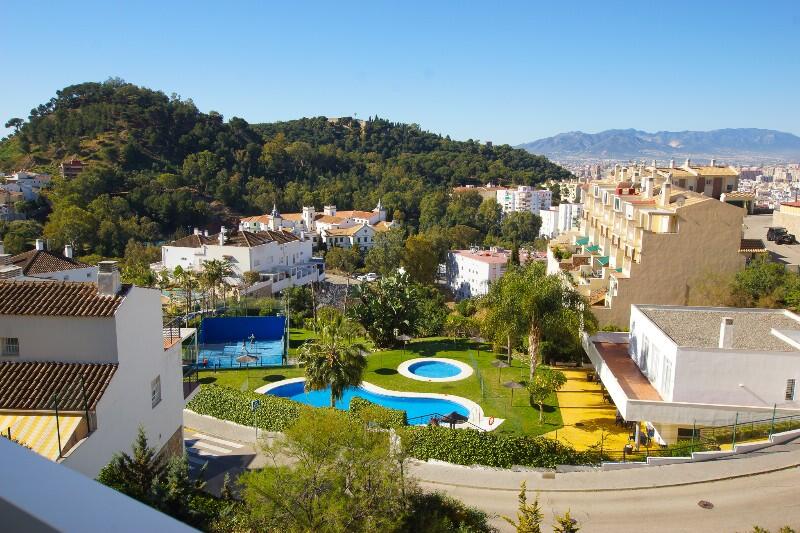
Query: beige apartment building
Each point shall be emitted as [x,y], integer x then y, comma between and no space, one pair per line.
[643,240]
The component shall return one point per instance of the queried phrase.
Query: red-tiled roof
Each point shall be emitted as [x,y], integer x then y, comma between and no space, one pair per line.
[56,298]
[37,385]
[245,239]
[43,261]
[791,204]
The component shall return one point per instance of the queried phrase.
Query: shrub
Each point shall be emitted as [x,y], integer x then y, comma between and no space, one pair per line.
[274,413]
[384,417]
[437,512]
[470,446]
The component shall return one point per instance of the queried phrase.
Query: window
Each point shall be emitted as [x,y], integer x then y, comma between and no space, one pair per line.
[155,391]
[688,433]
[10,346]
[617,204]
[730,187]
[790,383]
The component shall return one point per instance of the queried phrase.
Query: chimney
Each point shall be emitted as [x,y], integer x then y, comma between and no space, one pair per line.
[2,248]
[648,186]
[68,251]
[654,163]
[726,333]
[40,244]
[5,259]
[221,236]
[621,175]
[713,162]
[666,192]
[688,162]
[205,233]
[197,231]
[108,282]
[671,163]
[329,210]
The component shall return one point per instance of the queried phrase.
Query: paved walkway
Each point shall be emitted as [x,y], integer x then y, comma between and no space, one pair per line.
[587,417]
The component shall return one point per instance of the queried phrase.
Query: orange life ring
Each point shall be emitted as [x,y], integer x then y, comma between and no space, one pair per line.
[491,420]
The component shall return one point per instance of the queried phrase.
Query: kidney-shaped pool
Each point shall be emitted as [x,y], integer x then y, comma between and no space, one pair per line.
[418,408]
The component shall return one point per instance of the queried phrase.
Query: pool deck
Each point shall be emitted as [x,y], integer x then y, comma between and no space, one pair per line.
[476,415]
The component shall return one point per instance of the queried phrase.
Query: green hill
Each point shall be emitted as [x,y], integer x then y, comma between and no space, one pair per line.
[158,166]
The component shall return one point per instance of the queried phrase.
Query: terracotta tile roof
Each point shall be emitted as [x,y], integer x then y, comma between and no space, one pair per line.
[245,239]
[57,298]
[791,204]
[43,261]
[383,226]
[356,214]
[329,219]
[33,385]
[264,219]
[345,231]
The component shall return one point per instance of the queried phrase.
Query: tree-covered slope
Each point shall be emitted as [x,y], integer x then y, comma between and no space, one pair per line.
[158,166]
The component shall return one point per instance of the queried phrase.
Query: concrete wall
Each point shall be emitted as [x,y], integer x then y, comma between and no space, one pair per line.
[789,218]
[70,339]
[655,353]
[78,274]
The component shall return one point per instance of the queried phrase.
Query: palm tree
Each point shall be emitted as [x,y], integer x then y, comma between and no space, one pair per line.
[333,359]
[186,281]
[503,321]
[215,271]
[551,308]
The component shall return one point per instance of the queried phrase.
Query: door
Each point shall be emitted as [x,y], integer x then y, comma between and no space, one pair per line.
[717,188]
[701,185]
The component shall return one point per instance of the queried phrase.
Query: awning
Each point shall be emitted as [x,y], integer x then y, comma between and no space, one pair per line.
[583,241]
[619,269]
[603,260]
[40,433]
[593,248]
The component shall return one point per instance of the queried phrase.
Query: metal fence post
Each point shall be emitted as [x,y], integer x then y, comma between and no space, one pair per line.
[694,430]
[772,424]
[735,423]
[58,428]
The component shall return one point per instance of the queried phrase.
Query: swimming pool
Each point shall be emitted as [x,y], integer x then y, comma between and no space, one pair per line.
[223,355]
[418,407]
[434,369]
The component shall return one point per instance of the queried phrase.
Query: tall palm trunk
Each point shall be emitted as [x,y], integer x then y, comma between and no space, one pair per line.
[533,347]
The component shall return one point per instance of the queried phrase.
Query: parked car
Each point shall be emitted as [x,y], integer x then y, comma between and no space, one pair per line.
[774,231]
[785,238]
[372,276]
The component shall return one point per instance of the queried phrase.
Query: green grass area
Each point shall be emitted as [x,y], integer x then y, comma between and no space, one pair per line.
[483,387]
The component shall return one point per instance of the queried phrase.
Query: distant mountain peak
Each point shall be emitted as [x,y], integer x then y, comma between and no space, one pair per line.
[729,143]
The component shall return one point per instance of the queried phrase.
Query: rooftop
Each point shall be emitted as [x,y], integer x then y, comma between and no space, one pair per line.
[43,261]
[627,374]
[698,327]
[57,298]
[245,239]
[34,385]
[345,231]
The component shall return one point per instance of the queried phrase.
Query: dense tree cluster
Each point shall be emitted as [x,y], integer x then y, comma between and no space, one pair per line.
[157,166]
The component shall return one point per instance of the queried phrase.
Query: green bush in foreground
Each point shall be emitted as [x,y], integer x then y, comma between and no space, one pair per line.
[274,413]
[383,417]
[473,447]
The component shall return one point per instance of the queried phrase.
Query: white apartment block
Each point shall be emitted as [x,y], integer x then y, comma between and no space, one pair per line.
[471,272]
[282,258]
[524,198]
[99,357]
[685,367]
[560,219]
[28,184]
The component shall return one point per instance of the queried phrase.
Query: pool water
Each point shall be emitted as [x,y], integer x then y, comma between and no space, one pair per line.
[418,409]
[434,369]
[268,352]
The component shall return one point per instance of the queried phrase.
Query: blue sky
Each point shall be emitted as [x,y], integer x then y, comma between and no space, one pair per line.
[507,72]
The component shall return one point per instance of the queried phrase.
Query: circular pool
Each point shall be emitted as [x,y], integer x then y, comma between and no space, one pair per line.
[434,369]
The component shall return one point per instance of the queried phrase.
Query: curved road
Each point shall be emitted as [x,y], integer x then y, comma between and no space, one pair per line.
[770,500]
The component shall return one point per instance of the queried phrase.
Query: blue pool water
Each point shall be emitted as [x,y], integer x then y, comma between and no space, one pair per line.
[434,369]
[223,355]
[413,406]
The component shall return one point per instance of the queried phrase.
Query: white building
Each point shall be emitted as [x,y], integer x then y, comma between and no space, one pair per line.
[524,198]
[282,258]
[361,235]
[317,225]
[97,353]
[560,219]
[28,184]
[45,265]
[686,367]
[470,272]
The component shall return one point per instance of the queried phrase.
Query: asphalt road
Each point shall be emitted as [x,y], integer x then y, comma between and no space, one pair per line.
[755,227]
[767,500]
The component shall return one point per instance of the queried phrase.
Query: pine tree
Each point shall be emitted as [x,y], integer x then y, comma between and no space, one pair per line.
[529,516]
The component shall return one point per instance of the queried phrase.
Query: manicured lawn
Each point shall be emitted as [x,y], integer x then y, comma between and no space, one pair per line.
[483,387]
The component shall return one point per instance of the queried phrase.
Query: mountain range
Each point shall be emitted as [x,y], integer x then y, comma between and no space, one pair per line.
[740,144]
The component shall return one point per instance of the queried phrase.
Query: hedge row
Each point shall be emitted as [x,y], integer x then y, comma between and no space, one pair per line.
[502,450]
[384,417]
[274,413]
